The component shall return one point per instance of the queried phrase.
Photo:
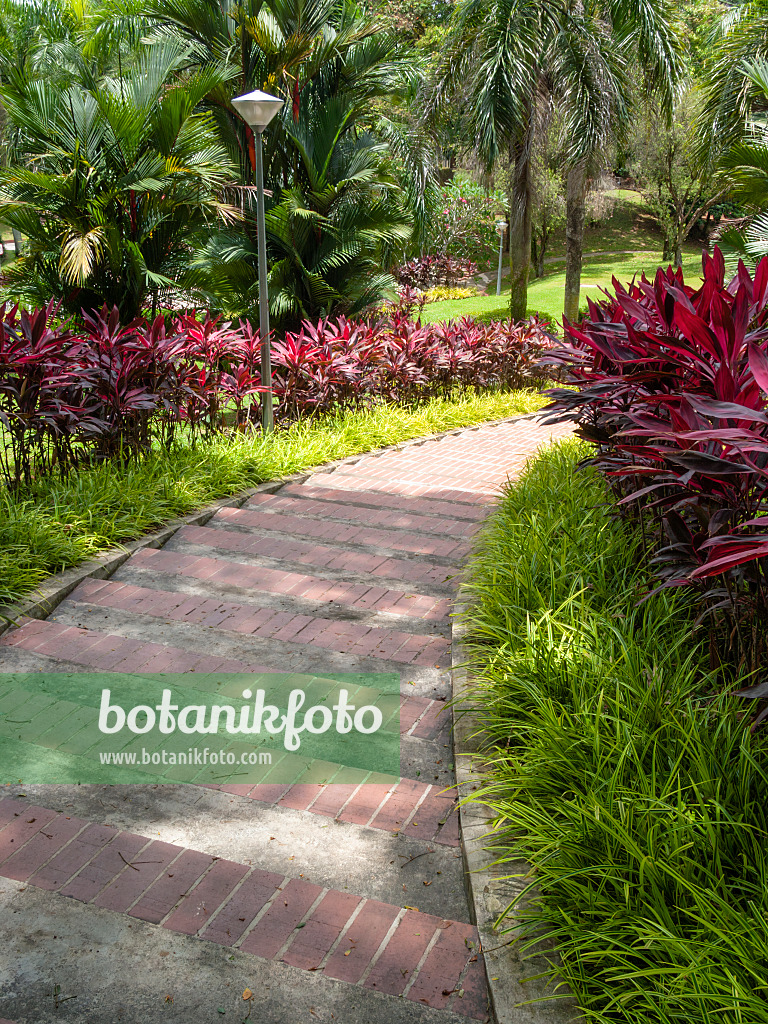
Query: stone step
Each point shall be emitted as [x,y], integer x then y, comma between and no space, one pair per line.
[255,577]
[348,536]
[339,563]
[208,649]
[341,511]
[40,646]
[355,639]
[125,648]
[407,609]
[275,916]
[318,488]
[270,830]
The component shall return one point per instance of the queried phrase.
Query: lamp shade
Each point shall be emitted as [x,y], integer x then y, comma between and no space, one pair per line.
[257,108]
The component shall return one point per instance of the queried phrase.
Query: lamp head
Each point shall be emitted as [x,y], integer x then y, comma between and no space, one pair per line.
[257,108]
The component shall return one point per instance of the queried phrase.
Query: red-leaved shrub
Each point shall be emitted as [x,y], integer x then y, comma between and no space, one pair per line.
[671,389]
[102,389]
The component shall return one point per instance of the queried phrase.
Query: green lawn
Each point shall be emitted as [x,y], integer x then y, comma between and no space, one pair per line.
[546,293]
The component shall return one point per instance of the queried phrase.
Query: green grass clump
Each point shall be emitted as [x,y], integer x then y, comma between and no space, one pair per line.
[618,766]
[60,523]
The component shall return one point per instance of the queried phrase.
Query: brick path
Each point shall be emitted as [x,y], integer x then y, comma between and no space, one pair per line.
[349,571]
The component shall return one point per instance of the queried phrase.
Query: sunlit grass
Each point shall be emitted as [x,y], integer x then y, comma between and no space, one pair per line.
[546,293]
[619,767]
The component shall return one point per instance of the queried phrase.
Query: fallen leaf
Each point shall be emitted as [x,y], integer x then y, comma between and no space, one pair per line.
[247,994]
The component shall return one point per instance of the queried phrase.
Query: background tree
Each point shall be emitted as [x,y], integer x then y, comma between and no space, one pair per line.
[746,165]
[503,56]
[548,213]
[127,173]
[678,187]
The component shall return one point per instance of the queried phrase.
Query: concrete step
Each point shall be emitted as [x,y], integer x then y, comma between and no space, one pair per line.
[241,576]
[124,648]
[319,488]
[356,639]
[357,566]
[208,649]
[53,645]
[78,874]
[341,511]
[276,836]
[409,612]
[351,536]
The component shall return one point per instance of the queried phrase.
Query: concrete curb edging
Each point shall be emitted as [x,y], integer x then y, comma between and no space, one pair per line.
[59,586]
[491,887]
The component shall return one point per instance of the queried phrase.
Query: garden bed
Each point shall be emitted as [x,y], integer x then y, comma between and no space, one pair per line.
[617,764]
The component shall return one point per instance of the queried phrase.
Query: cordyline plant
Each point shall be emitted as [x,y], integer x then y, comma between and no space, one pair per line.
[671,384]
[103,389]
[341,364]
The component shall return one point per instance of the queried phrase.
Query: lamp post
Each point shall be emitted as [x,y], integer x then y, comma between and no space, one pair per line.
[257,109]
[501,227]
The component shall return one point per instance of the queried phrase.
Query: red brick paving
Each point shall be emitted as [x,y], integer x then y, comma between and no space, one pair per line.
[396,965]
[317,555]
[380,499]
[336,511]
[339,533]
[427,501]
[265,623]
[465,467]
[355,952]
[276,581]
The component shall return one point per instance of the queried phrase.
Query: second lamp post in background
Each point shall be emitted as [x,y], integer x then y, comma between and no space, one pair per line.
[501,227]
[257,109]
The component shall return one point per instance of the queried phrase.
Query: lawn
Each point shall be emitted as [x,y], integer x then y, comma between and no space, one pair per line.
[546,293]
[628,227]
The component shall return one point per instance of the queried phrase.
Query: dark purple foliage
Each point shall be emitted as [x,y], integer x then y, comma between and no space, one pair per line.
[672,385]
[103,389]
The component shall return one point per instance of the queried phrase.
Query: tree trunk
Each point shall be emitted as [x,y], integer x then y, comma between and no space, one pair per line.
[520,231]
[16,241]
[576,189]
[542,250]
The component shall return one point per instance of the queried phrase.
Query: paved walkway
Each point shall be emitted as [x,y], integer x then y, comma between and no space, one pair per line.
[278,903]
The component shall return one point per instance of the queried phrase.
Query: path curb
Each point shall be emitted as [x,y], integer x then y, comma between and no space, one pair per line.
[46,598]
[490,887]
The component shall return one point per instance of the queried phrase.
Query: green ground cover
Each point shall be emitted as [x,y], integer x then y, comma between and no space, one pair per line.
[59,524]
[618,766]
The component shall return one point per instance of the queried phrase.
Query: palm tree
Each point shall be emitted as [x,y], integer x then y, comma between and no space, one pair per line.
[325,233]
[334,66]
[511,56]
[745,166]
[731,91]
[113,180]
